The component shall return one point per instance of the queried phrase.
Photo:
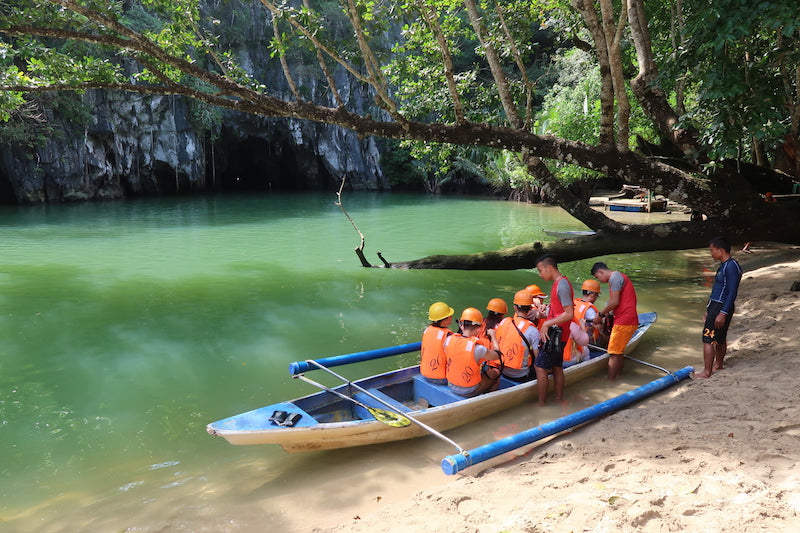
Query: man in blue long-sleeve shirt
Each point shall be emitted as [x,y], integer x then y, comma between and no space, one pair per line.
[720,306]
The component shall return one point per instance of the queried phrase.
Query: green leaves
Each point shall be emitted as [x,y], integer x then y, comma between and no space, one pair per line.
[737,56]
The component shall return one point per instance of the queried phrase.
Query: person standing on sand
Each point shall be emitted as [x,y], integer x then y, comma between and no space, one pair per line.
[622,302]
[720,306]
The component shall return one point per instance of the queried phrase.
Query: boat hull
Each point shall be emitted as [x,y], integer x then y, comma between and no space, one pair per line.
[441,409]
[364,432]
[568,234]
[636,206]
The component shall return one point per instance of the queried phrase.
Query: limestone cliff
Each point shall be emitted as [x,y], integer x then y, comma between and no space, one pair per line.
[140,145]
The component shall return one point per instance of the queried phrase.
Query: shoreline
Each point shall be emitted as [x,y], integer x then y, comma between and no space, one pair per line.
[719,454]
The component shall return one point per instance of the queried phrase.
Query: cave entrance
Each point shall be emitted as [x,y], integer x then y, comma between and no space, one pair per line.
[7,196]
[255,164]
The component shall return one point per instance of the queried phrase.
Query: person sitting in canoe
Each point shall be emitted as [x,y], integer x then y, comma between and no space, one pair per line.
[538,308]
[468,371]
[432,363]
[518,339]
[582,330]
[496,311]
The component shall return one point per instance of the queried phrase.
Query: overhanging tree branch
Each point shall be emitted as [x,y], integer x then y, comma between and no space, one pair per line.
[722,194]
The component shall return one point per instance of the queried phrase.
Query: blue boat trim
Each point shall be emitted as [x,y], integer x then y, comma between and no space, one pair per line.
[260,418]
[452,464]
[298,367]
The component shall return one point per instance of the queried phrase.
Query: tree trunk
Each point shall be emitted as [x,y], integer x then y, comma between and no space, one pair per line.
[634,238]
[601,46]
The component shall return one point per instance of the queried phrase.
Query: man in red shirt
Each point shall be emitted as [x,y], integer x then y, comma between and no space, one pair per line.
[622,305]
[560,314]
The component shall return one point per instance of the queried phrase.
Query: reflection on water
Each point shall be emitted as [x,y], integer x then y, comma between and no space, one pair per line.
[128,326]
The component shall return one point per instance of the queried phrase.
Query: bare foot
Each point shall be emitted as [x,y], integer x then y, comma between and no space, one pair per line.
[702,375]
[717,367]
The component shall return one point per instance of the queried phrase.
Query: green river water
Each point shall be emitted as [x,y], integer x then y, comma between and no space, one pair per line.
[126,327]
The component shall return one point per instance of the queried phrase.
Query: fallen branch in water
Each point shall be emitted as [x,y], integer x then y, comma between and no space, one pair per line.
[360,248]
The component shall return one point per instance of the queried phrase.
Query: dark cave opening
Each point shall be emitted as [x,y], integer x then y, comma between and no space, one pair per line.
[7,195]
[166,178]
[255,164]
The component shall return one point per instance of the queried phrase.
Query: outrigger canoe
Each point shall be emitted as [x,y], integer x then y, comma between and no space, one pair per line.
[344,416]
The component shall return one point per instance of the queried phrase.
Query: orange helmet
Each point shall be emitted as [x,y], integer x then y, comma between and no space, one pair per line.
[470,314]
[535,291]
[523,297]
[498,305]
[591,285]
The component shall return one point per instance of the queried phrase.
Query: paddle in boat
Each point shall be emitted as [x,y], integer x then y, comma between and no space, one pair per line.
[395,405]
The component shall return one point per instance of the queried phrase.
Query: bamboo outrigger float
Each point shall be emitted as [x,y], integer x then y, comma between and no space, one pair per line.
[452,464]
[345,416]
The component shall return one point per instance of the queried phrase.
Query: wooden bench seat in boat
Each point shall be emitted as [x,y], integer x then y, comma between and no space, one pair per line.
[433,393]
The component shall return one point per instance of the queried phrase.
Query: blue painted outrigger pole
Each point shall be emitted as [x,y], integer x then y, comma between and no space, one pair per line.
[298,367]
[452,464]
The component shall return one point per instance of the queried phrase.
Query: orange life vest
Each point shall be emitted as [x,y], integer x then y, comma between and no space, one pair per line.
[580,310]
[462,369]
[432,361]
[514,350]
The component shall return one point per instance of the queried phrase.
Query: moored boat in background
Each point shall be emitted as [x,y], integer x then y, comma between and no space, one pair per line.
[637,206]
[570,234]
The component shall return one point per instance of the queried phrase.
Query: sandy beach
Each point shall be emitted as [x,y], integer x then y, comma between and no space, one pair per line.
[719,454]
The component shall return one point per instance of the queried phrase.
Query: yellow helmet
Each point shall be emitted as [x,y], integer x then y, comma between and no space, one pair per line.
[523,297]
[535,291]
[470,314]
[591,285]
[439,311]
[498,305]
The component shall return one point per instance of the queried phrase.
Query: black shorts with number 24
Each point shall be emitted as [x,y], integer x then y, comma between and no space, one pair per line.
[711,333]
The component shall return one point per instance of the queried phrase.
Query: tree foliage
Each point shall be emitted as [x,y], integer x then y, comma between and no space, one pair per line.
[717,84]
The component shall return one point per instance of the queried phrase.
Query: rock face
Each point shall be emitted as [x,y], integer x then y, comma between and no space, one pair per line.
[255,153]
[142,145]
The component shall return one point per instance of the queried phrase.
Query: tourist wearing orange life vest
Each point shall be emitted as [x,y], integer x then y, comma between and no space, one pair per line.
[550,358]
[518,339]
[496,311]
[539,310]
[622,303]
[582,321]
[432,364]
[468,373]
